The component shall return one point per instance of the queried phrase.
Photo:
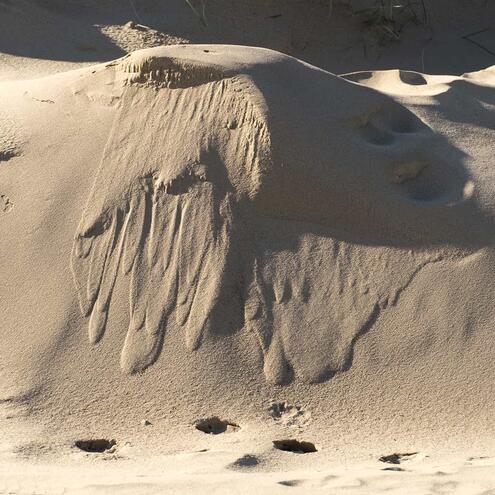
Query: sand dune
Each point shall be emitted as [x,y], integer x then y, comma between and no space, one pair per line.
[197,231]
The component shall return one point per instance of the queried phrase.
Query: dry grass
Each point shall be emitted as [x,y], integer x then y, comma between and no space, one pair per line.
[389,17]
[200,11]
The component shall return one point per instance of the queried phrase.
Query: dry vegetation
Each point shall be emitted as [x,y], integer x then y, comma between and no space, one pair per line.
[387,18]
[390,17]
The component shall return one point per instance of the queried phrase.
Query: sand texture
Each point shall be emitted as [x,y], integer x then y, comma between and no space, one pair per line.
[226,270]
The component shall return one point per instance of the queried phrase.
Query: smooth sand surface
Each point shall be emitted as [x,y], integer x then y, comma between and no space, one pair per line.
[226,270]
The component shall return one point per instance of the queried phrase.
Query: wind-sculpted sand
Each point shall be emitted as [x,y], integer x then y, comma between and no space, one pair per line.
[240,235]
[202,200]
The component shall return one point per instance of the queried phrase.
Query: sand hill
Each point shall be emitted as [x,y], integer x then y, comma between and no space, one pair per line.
[229,270]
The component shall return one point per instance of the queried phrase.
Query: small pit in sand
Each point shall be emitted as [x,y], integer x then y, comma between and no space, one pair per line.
[247,461]
[215,425]
[295,446]
[95,446]
[398,458]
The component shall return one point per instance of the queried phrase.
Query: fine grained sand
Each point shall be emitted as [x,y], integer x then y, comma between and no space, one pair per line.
[204,231]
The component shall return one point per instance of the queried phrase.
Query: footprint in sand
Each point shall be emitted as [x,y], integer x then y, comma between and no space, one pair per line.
[214,425]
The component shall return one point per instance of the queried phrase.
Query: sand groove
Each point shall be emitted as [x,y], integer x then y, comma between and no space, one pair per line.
[170,225]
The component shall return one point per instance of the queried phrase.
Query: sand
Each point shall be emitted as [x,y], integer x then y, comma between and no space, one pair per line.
[227,270]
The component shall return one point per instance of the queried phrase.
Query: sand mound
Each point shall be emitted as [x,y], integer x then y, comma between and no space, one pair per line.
[219,219]
[230,195]
[219,227]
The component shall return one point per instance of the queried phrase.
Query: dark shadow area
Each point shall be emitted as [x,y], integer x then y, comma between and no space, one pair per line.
[468,103]
[396,458]
[296,446]
[246,461]
[215,425]
[95,446]
[28,30]
[385,204]
[336,40]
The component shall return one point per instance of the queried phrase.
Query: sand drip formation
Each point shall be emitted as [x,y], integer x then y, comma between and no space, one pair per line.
[240,189]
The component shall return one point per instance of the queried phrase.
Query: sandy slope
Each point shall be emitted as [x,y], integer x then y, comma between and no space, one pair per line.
[227,229]
[203,230]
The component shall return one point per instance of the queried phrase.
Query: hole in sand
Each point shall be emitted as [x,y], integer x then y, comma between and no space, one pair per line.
[425,182]
[397,458]
[383,126]
[412,78]
[215,425]
[291,483]
[95,446]
[375,135]
[246,461]
[294,446]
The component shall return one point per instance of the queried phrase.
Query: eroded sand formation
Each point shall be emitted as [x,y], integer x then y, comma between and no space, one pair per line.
[281,261]
[231,198]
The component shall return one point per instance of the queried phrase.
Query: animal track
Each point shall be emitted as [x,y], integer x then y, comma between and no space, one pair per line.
[95,446]
[215,425]
[296,446]
[288,415]
[5,204]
